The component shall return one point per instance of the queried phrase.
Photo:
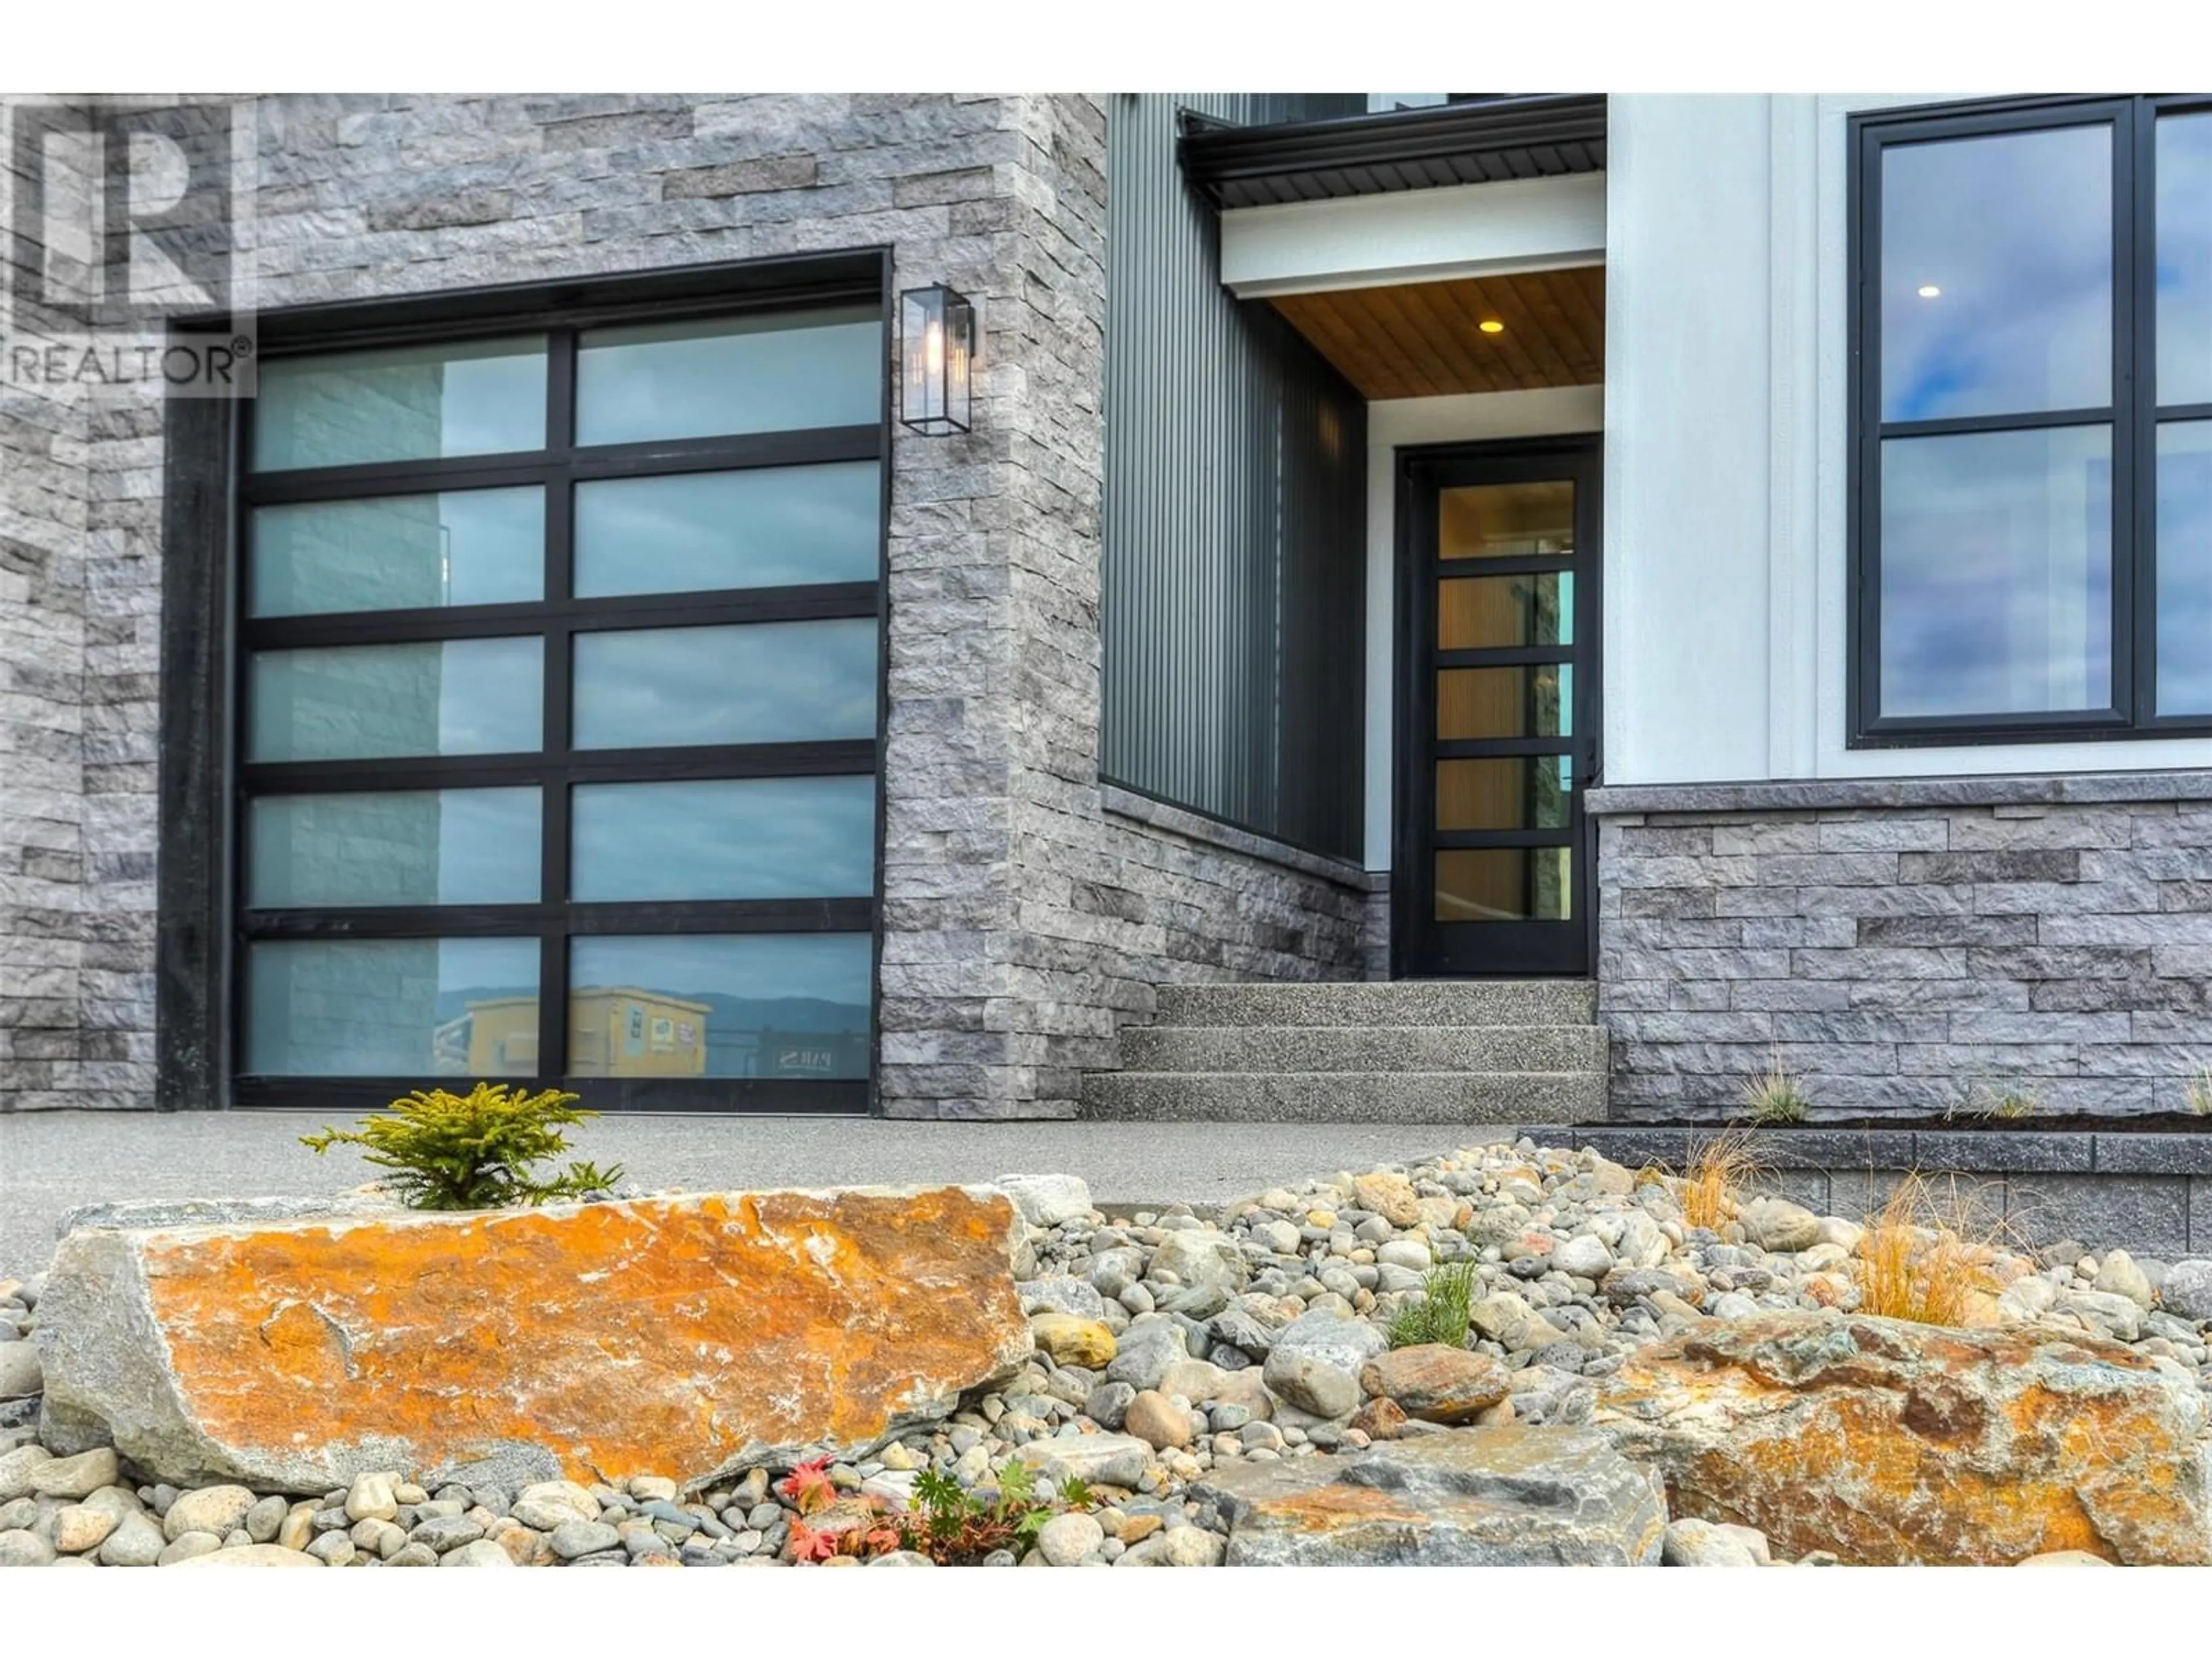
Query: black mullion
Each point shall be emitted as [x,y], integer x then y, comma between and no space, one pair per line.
[802,447]
[425,477]
[1503,656]
[836,758]
[2130,135]
[2030,421]
[2139,216]
[1569,744]
[1465,840]
[2177,412]
[1502,564]
[845,914]
[553,850]
[807,602]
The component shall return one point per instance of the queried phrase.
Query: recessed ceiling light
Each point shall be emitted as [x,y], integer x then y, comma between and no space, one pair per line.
[1929,290]
[1490,325]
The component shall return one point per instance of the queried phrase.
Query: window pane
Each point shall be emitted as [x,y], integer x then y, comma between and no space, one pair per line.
[1504,610]
[1996,573]
[401,1008]
[1505,883]
[702,1005]
[413,403]
[747,682]
[1524,791]
[772,527]
[1497,521]
[2013,234]
[398,847]
[399,552]
[2185,567]
[357,702]
[1506,702]
[2185,259]
[739,838]
[699,380]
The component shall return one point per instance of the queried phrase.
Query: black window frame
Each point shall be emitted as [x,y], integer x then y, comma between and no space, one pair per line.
[2133,416]
[204,925]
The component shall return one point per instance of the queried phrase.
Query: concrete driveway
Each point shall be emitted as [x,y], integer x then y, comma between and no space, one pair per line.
[52,1161]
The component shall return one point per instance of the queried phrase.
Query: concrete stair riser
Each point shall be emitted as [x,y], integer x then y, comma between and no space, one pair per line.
[1343,1096]
[1399,1003]
[1331,1049]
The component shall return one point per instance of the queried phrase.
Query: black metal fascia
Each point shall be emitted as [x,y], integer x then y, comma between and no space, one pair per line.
[1225,161]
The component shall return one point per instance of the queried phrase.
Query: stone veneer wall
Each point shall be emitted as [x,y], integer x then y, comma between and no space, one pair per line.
[1906,946]
[1023,922]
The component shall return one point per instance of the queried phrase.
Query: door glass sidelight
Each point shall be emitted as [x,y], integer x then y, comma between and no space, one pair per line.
[1496,740]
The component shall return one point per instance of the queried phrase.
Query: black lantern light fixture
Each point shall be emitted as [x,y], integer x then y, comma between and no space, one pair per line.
[937,349]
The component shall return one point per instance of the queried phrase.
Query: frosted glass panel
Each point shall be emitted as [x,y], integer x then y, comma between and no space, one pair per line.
[362,701]
[398,553]
[402,1008]
[409,403]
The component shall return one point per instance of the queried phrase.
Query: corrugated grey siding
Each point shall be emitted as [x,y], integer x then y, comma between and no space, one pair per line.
[1235,516]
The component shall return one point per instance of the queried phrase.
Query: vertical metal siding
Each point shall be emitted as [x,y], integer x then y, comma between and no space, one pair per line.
[1235,516]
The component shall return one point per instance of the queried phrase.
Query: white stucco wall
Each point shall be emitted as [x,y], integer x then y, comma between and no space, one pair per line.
[1726,423]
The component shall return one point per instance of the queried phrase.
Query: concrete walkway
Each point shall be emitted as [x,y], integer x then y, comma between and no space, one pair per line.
[52,1161]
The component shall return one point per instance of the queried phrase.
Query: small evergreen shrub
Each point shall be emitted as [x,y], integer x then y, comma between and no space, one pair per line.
[473,1152]
[1441,1311]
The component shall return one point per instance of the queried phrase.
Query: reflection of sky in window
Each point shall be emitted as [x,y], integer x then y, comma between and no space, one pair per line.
[750,967]
[481,398]
[2017,232]
[725,839]
[1996,573]
[735,374]
[2185,567]
[764,528]
[757,683]
[407,846]
[354,703]
[2184,258]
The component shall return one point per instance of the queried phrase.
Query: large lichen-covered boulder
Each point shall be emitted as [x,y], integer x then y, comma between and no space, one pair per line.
[1507,1496]
[691,1335]
[1892,1442]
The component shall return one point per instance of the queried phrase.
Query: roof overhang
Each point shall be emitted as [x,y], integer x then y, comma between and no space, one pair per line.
[1536,137]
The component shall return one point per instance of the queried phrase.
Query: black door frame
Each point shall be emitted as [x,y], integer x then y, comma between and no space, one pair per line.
[1576,456]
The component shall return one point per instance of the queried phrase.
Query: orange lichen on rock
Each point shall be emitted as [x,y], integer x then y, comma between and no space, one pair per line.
[677,1335]
[1892,1442]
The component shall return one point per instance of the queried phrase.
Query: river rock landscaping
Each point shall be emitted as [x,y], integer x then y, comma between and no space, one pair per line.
[1629,1389]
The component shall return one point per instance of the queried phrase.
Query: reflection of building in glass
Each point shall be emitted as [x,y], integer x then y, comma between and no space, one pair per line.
[501,1035]
[618,1030]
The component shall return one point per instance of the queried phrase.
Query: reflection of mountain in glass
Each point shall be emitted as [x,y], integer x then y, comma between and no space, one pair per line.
[744,1036]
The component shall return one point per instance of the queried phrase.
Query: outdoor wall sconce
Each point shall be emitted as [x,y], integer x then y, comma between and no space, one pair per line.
[937,347]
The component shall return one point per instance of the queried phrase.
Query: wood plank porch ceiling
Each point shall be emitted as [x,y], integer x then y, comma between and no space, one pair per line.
[1423,339]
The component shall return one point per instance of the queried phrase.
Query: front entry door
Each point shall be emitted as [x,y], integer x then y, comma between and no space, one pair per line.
[1497,707]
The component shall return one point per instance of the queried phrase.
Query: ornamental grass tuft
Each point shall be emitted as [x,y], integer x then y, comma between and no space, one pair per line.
[473,1152]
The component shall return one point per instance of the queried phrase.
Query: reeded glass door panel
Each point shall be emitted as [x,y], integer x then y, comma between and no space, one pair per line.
[1474,613]
[393,1007]
[1520,791]
[2185,567]
[765,527]
[1533,701]
[2184,146]
[701,1004]
[737,838]
[1996,573]
[779,373]
[750,683]
[1506,520]
[404,403]
[1505,884]
[408,846]
[1996,274]
[367,702]
[398,553]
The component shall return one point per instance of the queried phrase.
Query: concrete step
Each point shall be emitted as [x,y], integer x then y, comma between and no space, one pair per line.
[1343,1096]
[1418,1002]
[1335,1049]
